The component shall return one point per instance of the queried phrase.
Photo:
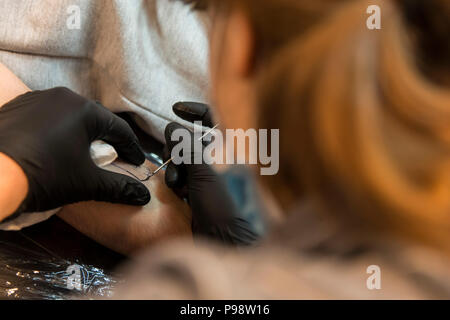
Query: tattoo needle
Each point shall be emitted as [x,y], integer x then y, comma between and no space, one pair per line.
[171,159]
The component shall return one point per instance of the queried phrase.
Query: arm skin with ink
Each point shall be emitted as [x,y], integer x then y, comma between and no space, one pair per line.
[123,228]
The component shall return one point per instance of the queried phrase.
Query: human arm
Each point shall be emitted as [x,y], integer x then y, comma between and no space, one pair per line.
[127,229]
[13,182]
[13,186]
[10,85]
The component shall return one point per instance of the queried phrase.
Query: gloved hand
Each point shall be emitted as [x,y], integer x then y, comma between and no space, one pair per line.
[214,213]
[49,133]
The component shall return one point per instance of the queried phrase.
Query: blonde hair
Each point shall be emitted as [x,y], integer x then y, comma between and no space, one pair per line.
[364,134]
[364,125]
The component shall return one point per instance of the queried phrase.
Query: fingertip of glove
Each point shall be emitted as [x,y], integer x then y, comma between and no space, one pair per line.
[190,111]
[169,133]
[137,194]
[171,176]
[140,155]
[171,127]
[136,156]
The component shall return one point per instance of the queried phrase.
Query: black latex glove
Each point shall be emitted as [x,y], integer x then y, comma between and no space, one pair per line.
[49,133]
[214,212]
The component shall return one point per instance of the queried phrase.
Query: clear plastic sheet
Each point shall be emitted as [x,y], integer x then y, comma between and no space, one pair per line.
[28,274]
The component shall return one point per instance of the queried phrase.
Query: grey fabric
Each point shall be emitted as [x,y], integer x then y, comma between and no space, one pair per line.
[132,55]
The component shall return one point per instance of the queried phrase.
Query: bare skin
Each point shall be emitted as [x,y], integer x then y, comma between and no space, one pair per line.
[122,228]
[10,85]
[13,186]
[13,182]
[128,229]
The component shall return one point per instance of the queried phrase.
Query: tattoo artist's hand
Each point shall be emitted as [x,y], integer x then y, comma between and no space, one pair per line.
[49,133]
[214,213]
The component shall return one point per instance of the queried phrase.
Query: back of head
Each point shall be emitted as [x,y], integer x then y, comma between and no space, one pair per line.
[364,117]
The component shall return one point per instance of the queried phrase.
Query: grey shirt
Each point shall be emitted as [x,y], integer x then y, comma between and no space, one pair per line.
[140,56]
[137,56]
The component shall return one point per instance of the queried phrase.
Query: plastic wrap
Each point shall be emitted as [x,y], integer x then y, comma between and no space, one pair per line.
[28,274]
